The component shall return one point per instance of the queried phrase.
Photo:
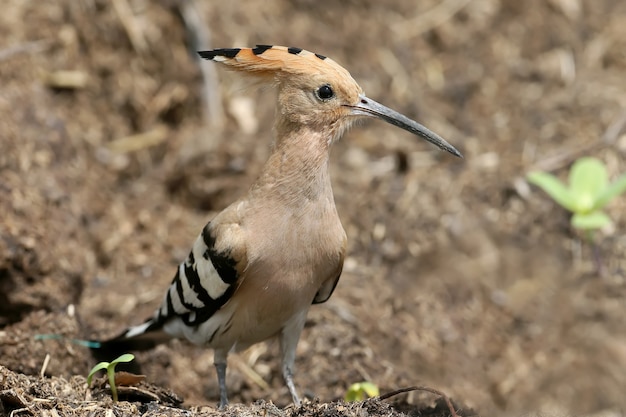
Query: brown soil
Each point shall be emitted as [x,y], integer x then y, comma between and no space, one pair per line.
[459,276]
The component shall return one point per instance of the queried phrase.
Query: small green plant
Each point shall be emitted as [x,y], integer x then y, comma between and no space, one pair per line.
[586,196]
[361,390]
[588,192]
[110,368]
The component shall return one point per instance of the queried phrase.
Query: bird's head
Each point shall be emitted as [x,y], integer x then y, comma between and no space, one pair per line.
[315,91]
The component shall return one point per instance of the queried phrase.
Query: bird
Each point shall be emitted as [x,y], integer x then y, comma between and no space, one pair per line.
[257,267]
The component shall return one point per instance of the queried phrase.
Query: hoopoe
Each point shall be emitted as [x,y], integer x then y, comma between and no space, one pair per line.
[257,266]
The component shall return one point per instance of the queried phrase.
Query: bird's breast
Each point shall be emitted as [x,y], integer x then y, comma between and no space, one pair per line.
[298,249]
[291,254]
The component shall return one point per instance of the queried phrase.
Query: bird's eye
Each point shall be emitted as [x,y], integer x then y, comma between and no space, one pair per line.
[325,92]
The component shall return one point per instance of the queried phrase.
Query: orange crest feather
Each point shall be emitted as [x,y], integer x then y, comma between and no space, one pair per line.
[269,60]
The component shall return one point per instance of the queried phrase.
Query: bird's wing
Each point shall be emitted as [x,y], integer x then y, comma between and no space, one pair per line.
[204,282]
[326,290]
[328,286]
[208,277]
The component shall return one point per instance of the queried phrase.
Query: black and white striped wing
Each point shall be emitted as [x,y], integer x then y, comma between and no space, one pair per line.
[204,282]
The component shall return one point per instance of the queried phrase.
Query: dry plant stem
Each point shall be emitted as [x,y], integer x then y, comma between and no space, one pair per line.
[250,373]
[19,410]
[139,141]
[427,389]
[133,30]
[26,47]
[44,366]
[200,39]
[565,157]
[429,19]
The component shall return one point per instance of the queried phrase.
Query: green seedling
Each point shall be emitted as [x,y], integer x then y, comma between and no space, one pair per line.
[586,196]
[361,390]
[588,192]
[110,368]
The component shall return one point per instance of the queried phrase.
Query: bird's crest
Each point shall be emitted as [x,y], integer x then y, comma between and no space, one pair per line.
[275,61]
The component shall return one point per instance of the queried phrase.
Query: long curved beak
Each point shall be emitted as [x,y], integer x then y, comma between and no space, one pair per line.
[368,107]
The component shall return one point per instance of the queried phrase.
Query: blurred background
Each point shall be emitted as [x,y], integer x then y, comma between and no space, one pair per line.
[117,144]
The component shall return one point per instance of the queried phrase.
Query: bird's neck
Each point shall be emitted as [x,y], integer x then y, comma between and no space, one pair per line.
[297,169]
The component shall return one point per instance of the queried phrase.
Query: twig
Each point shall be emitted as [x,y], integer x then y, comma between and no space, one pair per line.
[562,158]
[200,39]
[144,394]
[133,30]
[249,373]
[428,20]
[139,141]
[42,400]
[612,132]
[44,366]
[66,79]
[19,410]
[22,48]
[427,389]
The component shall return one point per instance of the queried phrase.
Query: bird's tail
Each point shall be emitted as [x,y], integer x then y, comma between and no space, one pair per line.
[136,338]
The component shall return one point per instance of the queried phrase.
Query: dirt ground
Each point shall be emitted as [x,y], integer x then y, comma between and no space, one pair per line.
[118,145]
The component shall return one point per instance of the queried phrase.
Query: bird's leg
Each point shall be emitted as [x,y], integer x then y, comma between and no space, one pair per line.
[288,376]
[219,360]
[221,380]
[288,342]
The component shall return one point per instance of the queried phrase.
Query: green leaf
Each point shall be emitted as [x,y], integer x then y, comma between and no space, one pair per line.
[554,188]
[587,180]
[127,357]
[370,389]
[352,395]
[590,221]
[361,390]
[612,191]
[98,367]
